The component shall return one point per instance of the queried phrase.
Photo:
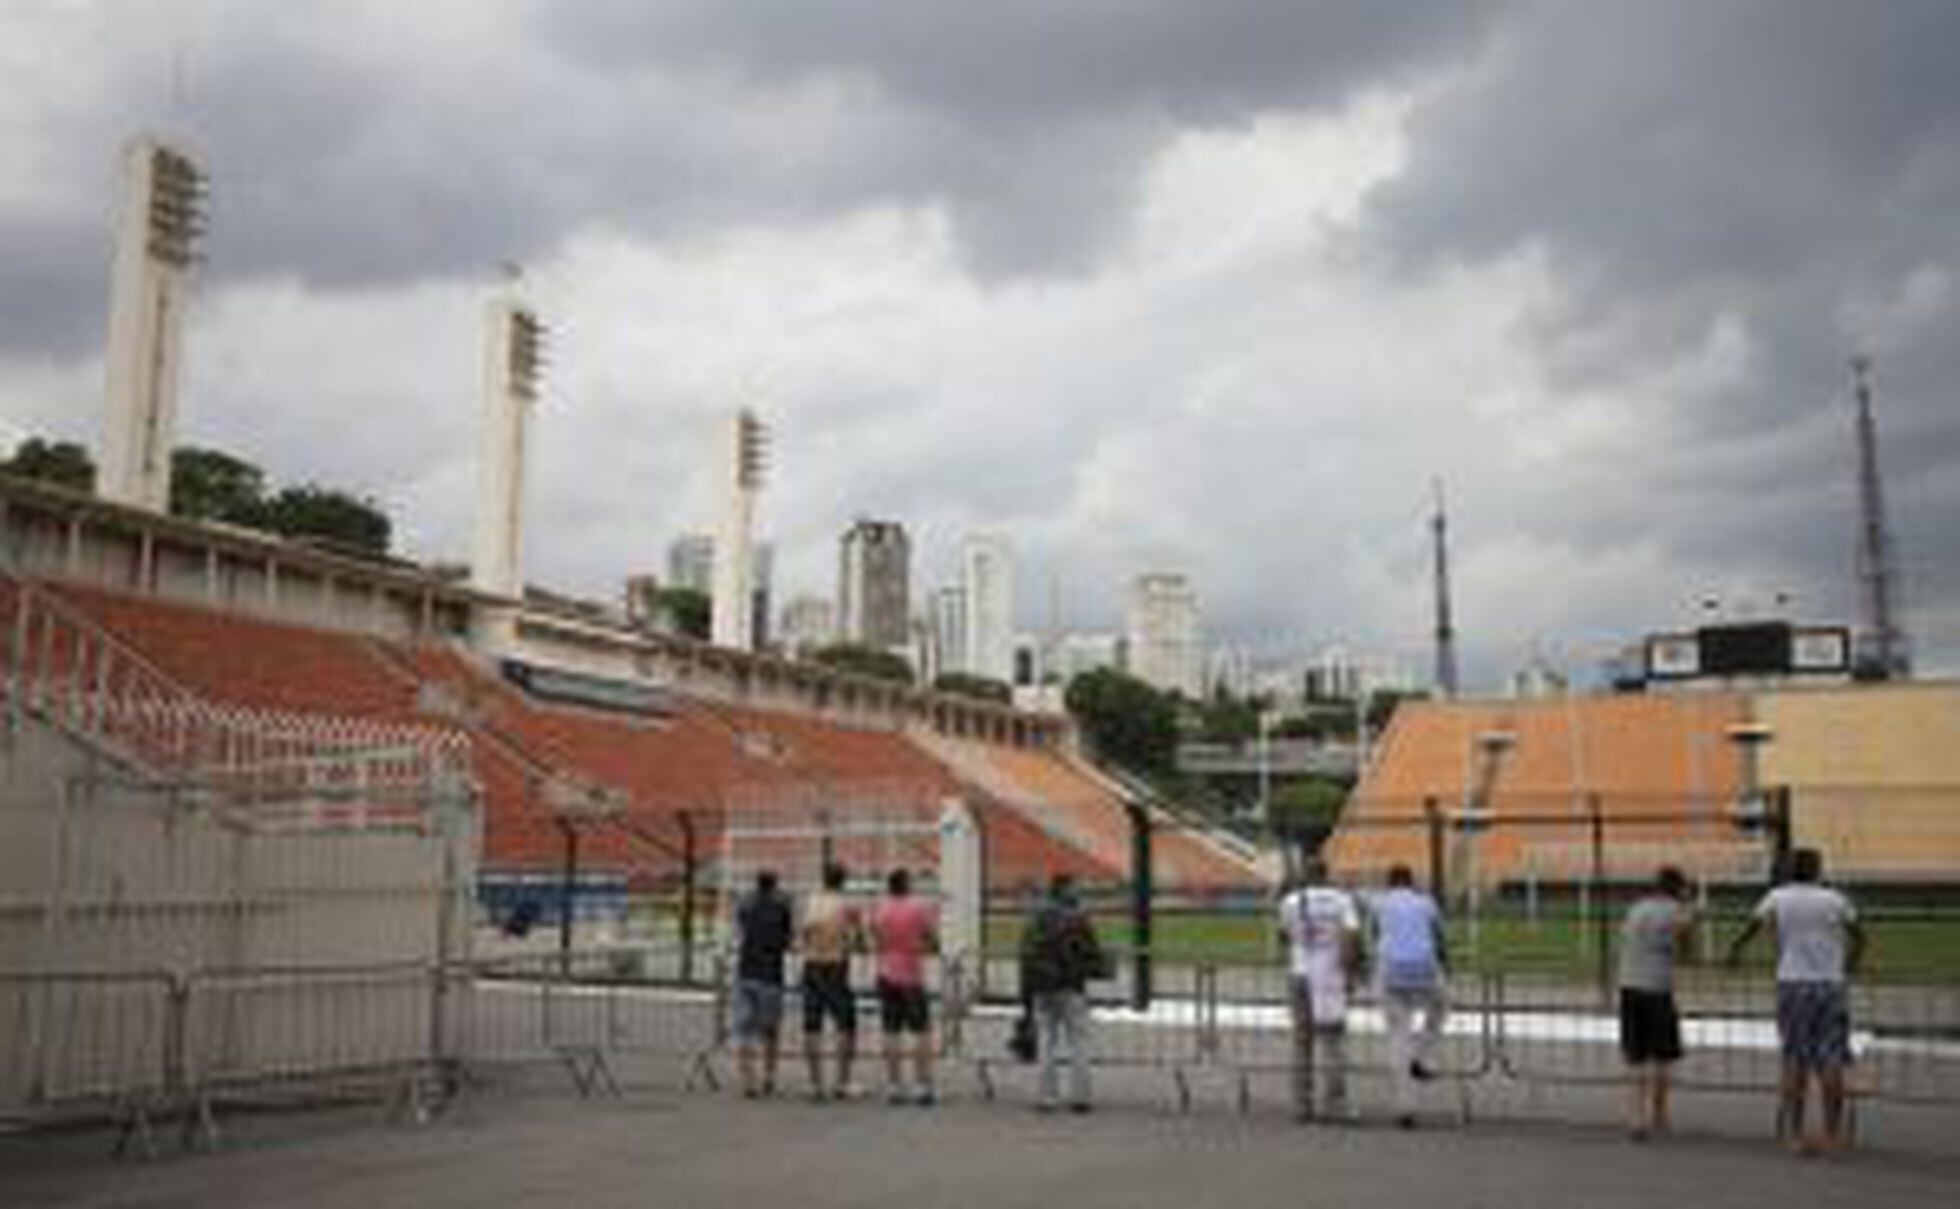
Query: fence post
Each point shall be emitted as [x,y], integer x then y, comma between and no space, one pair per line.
[1432,813]
[690,871]
[1776,818]
[565,897]
[1602,919]
[1141,893]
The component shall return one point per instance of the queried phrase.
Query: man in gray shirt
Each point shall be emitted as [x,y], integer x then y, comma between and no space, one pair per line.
[1656,930]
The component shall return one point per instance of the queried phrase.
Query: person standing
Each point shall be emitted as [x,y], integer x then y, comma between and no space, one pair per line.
[764,930]
[1413,956]
[904,929]
[1059,955]
[1819,943]
[1322,931]
[833,928]
[1656,931]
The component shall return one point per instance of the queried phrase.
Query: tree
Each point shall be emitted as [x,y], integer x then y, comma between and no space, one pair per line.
[688,612]
[865,660]
[62,463]
[340,518]
[984,688]
[1125,719]
[1228,719]
[1307,808]
[210,485]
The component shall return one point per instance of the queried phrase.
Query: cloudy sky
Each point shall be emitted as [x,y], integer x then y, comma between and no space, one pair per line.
[1146,284]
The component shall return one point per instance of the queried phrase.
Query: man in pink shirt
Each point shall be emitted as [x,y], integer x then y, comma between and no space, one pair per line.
[904,930]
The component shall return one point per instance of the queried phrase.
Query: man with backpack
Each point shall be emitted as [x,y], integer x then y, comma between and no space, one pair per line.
[1059,956]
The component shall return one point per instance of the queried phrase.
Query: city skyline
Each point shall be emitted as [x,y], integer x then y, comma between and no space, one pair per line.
[1225,305]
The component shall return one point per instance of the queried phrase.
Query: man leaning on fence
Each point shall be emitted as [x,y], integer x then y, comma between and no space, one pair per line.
[833,929]
[764,931]
[1819,942]
[1059,955]
[1322,931]
[1412,957]
[1657,929]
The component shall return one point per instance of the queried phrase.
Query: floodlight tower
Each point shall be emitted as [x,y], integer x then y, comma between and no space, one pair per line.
[1885,656]
[1445,625]
[157,236]
[747,460]
[513,370]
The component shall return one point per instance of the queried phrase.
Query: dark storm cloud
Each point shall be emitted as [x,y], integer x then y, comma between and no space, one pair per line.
[355,147]
[1783,168]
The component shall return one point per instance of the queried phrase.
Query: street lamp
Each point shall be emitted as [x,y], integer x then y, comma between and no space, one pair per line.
[1751,811]
[1491,746]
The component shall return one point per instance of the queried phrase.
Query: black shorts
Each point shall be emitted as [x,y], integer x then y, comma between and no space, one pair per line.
[827,992]
[903,1009]
[1650,1027]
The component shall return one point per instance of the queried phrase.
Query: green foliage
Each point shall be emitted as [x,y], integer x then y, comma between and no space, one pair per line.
[1228,719]
[865,661]
[964,684]
[1382,707]
[62,463]
[688,612]
[335,516]
[210,485]
[1125,719]
[1309,805]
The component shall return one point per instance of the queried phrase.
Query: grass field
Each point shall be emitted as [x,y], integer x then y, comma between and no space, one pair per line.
[1902,948]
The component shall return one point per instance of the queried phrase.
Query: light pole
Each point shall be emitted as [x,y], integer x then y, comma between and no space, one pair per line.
[1491,746]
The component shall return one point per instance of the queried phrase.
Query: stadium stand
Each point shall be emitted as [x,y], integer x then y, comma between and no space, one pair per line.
[1874,776]
[696,757]
[1660,769]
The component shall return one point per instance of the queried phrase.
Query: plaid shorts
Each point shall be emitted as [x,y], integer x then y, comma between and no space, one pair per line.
[1814,1021]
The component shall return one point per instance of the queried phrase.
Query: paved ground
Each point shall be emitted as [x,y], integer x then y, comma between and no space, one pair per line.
[536,1144]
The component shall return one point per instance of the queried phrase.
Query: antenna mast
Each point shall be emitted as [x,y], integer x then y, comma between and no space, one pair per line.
[1445,627]
[1885,655]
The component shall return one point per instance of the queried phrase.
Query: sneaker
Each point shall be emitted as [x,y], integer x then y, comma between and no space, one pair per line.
[1420,1073]
[847,1091]
[895,1094]
[925,1097]
[1045,1106]
[1406,1121]
[1080,1107]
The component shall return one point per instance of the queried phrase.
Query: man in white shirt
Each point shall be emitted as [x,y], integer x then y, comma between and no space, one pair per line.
[1322,931]
[1412,956]
[1818,942]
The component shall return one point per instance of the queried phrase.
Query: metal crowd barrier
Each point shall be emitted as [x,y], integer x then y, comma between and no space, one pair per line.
[150,1047]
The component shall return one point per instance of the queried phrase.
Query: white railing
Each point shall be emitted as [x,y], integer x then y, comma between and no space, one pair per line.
[59,666]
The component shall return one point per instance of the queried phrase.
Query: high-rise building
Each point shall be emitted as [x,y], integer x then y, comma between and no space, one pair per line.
[808,623]
[987,575]
[874,571]
[691,565]
[691,562]
[1077,654]
[947,625]
[1163,628]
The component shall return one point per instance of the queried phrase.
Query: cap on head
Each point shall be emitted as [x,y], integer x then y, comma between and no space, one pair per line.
[834,876]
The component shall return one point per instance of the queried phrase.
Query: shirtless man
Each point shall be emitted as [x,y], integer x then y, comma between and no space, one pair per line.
[833,929]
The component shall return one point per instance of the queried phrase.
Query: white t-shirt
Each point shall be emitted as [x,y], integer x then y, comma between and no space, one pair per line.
[1318,920]
[1406,921]
[1811,925]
